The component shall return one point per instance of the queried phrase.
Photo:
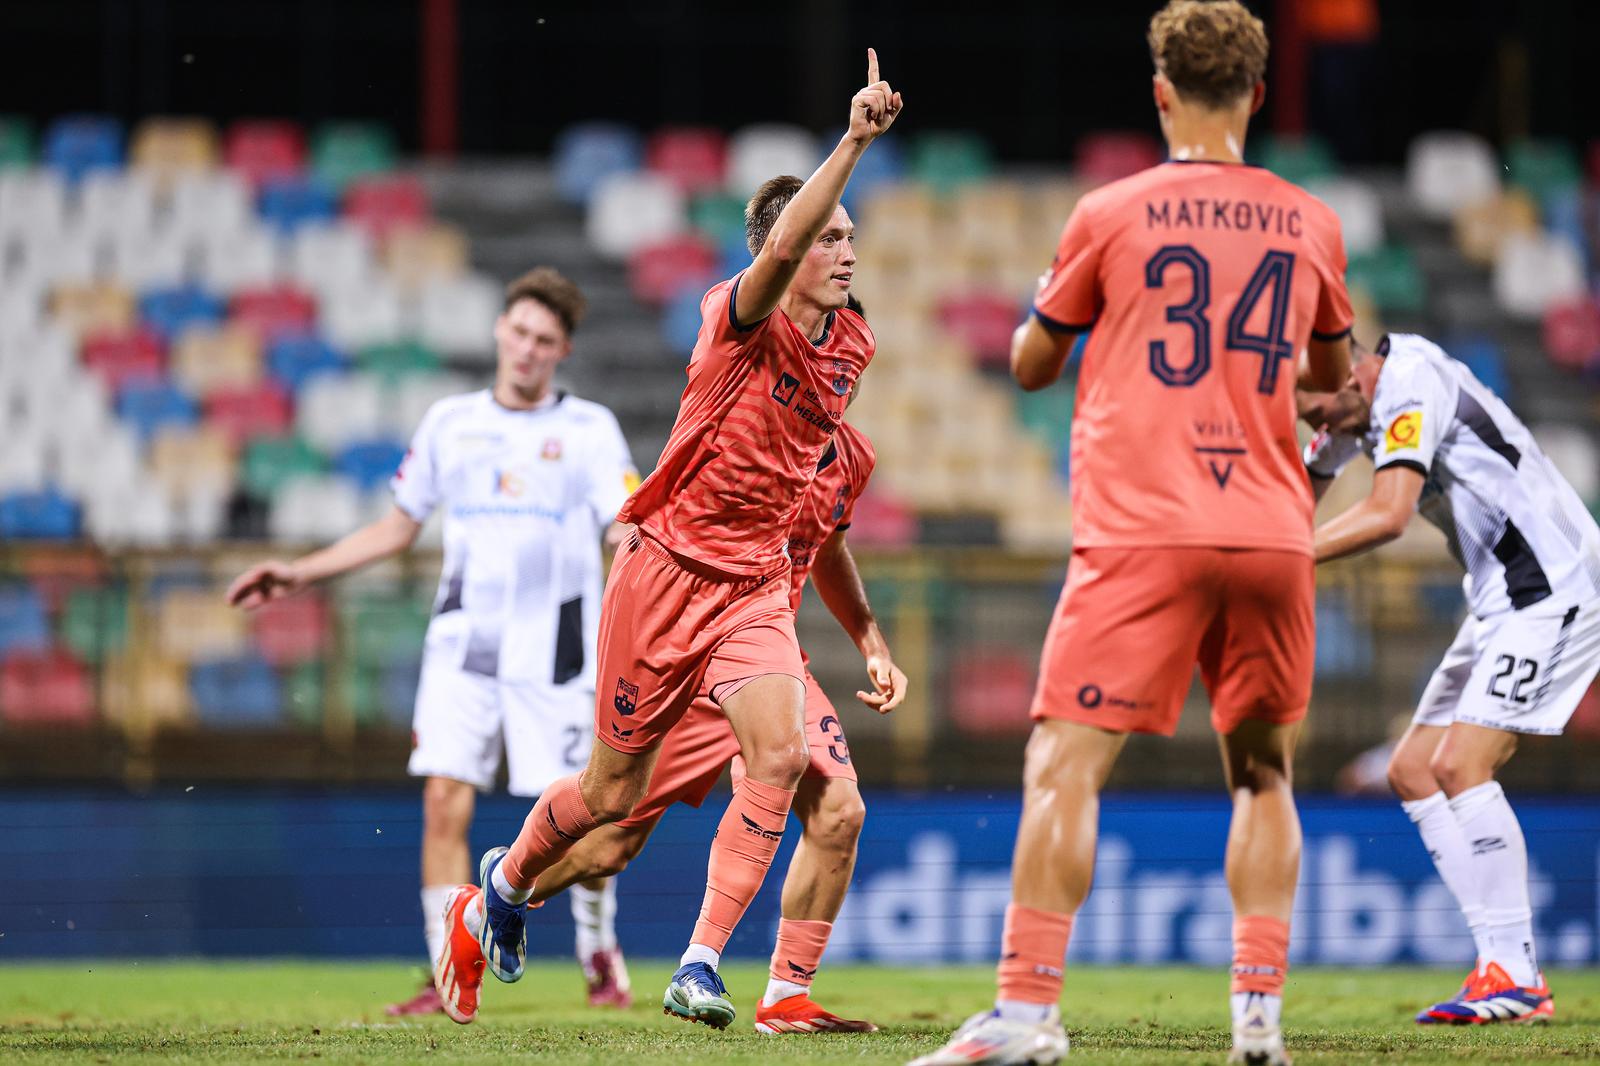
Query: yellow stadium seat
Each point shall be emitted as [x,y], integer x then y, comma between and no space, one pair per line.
[1482,227]
[142,693]
[96,308]
[208,358]
[193,461]
[416,255]
[168,148]
[197,624]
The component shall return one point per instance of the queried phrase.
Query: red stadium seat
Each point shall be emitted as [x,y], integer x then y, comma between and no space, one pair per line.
[291,631]
[379,205]
[122,356]
[883,521]
[50,688]
[1572,333]
[695,160]
[658,272]
[243,414]
[991,689]
[983,321]
[275,311]
[56,576]
[1104,157]
[265,149]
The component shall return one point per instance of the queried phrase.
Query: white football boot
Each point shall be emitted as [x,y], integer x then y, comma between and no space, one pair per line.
[989,1038]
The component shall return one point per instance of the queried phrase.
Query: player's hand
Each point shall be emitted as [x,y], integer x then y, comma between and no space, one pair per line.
[263,583]
[889,681]
[874,109]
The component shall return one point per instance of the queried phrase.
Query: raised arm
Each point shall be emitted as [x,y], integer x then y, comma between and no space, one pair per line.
[1376,520]
[872,112]
[838,582]
[275,580]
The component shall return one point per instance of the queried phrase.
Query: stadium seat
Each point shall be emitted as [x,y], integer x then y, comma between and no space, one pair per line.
[166,149]
[136,514]
[33,204]
[42,515]
[116,203]
[169,312]
[325,257]
[294,357]
[333,411]
[144,261]
[1543,168]
[291,631]
[757,153]
[343,152]
[314,510]
[204,206]
[1447,170]
[1534,271]
[188,461]
[24,625]
[236,260]
[1300,159]
[93,308]
[270,463]
[94,621]
[991,689]
[397,360]
[1481,228]
[457,316]
[884,165]
[983,322]
[1566,214]
[280,312]
[146,406]
[629,211]
[415,256]
[587,154]
[242,414]
[397,694]
[1107,156]
[694,159]
[47,261]
[76,145]
[265,150]
[719,218]
[1390,276]
[370,313]
[1487,361]
[881,520]
[51,689]
[120,358]
[1571,332]
[88,463]
[383,629]
[144,693]
[1572,450]
[949,161]
[681,321]
[1359,209]
[370,463]
[16,142]
[241,692]
[207,358]
[194,624]
[289,203]
[25,461]
[658,271]
[379,205]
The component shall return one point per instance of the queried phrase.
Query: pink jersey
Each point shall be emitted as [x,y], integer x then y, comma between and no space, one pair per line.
[841,475]
[762,405]
[1203,282]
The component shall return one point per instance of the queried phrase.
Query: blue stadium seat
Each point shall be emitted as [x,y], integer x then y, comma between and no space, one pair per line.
[1563,214]
[24,625]
[680,321]
[78,144]
[168,312]
[369,463]
[397,691]
[240,693]
[294,358]
[586,153]
[46,515]
[149,405]
[289,203]
[871,169]
[1344,646]
[1486,359]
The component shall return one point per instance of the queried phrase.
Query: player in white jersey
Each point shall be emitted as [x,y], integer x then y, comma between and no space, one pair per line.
[1445,446]
[529,478]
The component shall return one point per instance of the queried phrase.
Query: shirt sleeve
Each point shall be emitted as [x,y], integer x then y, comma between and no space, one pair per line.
[416,484]
[1334,315]
[612,477]
[1070,298]
[727,334]
[1327,454]
[855,487]
[1409,416]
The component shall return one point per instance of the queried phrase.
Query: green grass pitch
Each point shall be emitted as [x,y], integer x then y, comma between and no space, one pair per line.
[332,1012]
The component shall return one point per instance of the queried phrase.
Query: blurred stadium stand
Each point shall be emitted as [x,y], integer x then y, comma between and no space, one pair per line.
[213,338]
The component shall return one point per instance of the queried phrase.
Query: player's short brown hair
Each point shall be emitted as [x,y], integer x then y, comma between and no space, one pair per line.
[555,290]
[762,212]
[1213,51]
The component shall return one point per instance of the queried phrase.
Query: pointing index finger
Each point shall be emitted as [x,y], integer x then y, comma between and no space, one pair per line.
[872,66]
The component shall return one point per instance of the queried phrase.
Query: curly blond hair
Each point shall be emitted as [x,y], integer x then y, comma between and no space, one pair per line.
[1213,51]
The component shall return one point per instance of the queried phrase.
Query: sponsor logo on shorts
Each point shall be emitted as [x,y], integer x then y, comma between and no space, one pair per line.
[1404,432]
[1090,696]
[752,826]
[800,971]
[626,701]
[784,392]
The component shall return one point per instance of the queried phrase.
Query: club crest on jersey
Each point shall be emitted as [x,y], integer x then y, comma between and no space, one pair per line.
[784,391]
[840,498]
[551,449]
[509,483]
[626,701]
[841,377]
[1404,432]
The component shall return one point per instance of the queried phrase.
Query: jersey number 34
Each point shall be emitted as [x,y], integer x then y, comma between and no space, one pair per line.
[1275,272]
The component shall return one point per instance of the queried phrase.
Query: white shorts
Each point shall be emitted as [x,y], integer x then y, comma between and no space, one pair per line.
[1521,671]
[463,720]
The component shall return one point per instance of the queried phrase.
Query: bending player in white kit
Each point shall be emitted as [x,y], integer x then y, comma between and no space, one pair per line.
[529,478]
[1445,446]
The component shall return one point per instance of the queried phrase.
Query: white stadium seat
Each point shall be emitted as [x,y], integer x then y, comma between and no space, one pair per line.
[336,409]
[457,315]
[1359,209]
[218,202]
[314,509]
[246,258]
[32,203]
[1534,270]
[1447,170]
[330,257]
[629,211]
[757,153]
[1572,451]
[149,260]
[113,204]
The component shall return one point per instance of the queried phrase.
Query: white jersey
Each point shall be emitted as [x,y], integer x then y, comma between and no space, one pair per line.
[526,498]
[1522,533]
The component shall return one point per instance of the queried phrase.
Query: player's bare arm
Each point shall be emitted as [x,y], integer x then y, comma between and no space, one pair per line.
[837,580]
[275,580]
[1038,355]
[1325,365]
[801,224]
[1376,520]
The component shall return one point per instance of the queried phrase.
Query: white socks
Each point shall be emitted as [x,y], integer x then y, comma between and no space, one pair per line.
[1241,1002]
[1500,864]
[777,991]
[1018,1010]
[701,953]
[433,897]
[503,887]
[1452,857]
[594,913]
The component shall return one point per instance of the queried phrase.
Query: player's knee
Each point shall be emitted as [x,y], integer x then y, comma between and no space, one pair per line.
[1454,774]
[610,858]
[612,803]
[842,820]
[782,765]
[446,807]
[1410,776]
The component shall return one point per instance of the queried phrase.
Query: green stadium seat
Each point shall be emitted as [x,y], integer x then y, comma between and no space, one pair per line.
[947,161]
[720,217]
[1047,413]
[94,622]
[1390,276]
[304,695]
[1543,168]
[1297,159]
[16,142]
[272,462]
[382,629]
[342,152]
[399,359]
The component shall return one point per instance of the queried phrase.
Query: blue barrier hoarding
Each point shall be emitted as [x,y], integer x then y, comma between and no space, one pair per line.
[232,873]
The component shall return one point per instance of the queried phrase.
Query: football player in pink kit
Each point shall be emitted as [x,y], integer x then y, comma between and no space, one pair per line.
[1202,278]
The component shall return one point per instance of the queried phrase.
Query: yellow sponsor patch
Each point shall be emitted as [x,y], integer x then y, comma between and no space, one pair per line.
[630,481]
[1404,432]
